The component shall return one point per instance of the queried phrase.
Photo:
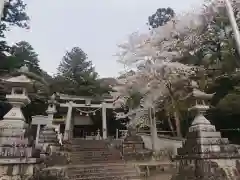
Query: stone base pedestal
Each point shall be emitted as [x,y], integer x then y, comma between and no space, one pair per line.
[205,154]
[17,169]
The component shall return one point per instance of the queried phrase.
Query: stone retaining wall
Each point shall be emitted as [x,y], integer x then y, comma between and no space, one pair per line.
[163,142]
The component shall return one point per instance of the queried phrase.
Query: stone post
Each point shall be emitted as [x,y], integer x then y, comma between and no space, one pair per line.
[117,134]
[104,120]
[37,135]
[68,122]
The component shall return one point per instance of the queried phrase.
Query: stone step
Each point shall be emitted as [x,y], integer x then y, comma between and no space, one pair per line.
[103,171]
[97,170]
[100,146]
[100,167]
[90,162]
[125,177]
[107,159]
[94,153]
[96,160]
[121,172]
[87,148]
[105,176]
[88,140]
[109,171]
[84,148]
[92,142]
[94,156]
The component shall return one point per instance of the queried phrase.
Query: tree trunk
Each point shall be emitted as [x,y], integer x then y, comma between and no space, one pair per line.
[178,125]
[170,125]
[176,113]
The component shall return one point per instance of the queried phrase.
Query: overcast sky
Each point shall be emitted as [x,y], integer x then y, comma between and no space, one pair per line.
[96,26]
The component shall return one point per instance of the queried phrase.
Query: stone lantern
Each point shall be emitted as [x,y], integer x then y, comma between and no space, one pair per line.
[48,136]
[205,154]
[13,124]
[15,151]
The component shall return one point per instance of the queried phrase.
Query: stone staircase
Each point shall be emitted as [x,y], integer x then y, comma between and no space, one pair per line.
[97,159]
[93,151]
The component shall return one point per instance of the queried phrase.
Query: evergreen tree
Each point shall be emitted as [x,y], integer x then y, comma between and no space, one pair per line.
[26,55]
[78,75]
[14,14]
[161,17]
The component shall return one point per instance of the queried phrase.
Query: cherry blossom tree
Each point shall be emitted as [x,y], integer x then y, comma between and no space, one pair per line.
[156,60]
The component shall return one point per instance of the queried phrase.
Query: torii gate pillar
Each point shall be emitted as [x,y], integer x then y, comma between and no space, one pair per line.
[104,121]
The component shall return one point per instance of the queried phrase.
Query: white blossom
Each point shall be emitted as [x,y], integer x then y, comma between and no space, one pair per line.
[155,56]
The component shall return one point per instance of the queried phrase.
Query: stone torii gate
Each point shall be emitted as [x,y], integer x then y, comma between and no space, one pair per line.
[106,103]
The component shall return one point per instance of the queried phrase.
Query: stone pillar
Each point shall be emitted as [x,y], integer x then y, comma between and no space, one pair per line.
[104,121]
[153,128]
[68,122]
[37,135]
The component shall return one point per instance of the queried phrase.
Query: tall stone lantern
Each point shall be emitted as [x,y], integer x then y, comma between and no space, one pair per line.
[205,154]
[15,153]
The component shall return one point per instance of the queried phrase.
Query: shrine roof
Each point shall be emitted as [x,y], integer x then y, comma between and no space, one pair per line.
[18,79]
